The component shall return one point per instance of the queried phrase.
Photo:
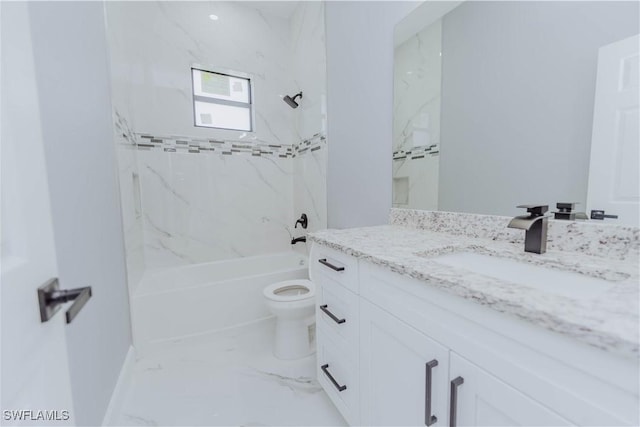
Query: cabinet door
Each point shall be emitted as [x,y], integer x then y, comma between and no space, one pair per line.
[477,398]
[403,373]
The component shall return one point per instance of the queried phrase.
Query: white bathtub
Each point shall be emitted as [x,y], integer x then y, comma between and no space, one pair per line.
[196,300]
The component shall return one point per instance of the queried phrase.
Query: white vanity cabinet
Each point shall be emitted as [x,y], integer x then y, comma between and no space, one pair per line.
[477,398]
[337,328]
[410,354]
[403,373]
[407,379]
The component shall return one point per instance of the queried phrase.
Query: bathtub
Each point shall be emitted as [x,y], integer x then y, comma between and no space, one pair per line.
[193,301]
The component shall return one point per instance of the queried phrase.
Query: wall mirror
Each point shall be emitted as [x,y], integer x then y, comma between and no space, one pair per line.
[499,103]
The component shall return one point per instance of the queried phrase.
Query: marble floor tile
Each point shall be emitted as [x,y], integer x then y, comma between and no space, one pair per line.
[231,379]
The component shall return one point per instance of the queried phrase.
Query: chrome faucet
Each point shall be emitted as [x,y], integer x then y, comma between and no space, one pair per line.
[535,224]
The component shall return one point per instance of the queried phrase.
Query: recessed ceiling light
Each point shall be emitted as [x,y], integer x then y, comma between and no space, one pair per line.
[213,17]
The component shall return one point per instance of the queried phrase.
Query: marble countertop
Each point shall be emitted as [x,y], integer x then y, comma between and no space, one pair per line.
[609,321]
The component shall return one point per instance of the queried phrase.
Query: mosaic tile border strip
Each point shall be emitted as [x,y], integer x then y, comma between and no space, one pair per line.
[181,144]
[417,152]
[309,145]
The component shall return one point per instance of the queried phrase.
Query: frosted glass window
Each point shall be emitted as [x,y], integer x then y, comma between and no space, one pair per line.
[221,100]
[222,116]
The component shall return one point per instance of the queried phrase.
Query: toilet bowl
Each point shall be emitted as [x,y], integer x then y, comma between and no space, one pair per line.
[293,304]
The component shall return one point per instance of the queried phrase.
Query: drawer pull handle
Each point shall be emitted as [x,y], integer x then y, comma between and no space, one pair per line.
[324,261]
[325,369]
[331,315]
[429,419]
[453,403]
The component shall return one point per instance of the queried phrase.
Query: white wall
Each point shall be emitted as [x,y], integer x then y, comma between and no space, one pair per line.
[73,82]
[360,99]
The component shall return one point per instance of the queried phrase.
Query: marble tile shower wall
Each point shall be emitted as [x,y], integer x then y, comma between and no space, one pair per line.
[417,86]
[309,68]
[192,194]
[198,208]
[194,210]
[416,125]
[130,203]
[156,43]
[419,169]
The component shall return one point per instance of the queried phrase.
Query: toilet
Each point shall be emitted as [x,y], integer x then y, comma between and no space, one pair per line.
[293,304]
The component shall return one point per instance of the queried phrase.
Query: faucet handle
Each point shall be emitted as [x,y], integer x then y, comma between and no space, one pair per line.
[566,206]
[535,210]
[303,221]
[565,211]
[599,214]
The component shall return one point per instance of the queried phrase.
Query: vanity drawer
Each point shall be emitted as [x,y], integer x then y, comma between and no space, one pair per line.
[338,376]
[337,313]
[329,263]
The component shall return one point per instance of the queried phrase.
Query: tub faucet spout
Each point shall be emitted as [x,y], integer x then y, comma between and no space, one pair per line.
[298,239]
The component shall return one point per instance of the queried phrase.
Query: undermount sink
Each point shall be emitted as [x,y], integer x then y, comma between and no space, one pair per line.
[558,282]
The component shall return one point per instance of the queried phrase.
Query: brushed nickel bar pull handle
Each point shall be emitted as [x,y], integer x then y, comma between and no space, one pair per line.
[324,261]
[325,369]
[331,315]
[429,419]
[453,403]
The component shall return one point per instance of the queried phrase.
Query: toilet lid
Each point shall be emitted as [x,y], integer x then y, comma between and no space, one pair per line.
[290,290]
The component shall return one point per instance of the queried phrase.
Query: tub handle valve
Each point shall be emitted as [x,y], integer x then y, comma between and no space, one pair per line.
[303,221]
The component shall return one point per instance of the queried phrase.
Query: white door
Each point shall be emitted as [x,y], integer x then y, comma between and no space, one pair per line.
[34,369]
[614,171]
[480,399]
[396,362]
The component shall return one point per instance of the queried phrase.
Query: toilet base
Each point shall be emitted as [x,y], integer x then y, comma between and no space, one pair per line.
[295,338]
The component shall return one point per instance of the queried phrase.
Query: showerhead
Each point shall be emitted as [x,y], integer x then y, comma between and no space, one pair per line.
[292,101]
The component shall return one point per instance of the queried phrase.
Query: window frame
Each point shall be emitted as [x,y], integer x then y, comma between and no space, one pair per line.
[229,73]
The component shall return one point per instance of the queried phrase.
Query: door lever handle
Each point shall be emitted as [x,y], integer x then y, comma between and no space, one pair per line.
[51,298]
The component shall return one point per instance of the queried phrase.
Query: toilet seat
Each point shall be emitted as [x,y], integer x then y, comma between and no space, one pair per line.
[290,290]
